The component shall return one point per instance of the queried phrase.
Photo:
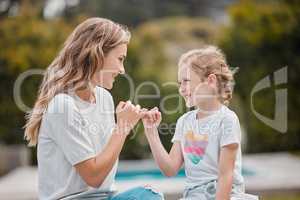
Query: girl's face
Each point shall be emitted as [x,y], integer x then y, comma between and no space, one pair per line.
[193,89]
[113,65]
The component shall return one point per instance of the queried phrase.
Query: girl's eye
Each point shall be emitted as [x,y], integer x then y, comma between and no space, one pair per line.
[184,81]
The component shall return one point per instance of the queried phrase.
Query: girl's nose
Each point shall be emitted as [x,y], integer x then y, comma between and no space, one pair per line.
[181,90]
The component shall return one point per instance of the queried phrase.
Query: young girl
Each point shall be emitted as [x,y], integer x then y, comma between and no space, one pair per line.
[208,139]
[73,123]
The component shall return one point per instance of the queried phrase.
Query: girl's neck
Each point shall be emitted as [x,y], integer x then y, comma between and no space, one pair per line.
[208,107]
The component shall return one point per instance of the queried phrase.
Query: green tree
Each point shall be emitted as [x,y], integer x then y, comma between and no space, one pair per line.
[263,37]
[26,42]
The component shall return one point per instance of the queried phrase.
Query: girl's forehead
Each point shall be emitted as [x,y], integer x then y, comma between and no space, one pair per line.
[186,72]
[184,69]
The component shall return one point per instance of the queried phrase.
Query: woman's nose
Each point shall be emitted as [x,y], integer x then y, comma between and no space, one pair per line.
[122,70]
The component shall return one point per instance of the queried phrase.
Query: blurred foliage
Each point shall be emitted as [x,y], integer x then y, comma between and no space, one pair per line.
[26,42]
[135,12]
[288,196]
[260,38]
[263,37]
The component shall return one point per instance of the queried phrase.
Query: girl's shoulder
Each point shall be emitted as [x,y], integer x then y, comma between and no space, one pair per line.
[229,115]
[229,112]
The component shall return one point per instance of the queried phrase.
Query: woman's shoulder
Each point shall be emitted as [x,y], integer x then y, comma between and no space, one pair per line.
[104,96]
[103,92]
[60,103]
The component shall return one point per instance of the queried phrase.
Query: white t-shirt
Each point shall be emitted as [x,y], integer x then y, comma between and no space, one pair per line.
[201,141]
[72,131]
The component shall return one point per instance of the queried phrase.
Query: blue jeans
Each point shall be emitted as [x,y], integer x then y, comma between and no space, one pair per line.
[144,193]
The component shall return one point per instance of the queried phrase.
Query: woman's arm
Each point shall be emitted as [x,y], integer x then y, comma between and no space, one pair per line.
[169,163]
[226,169]
[95,170]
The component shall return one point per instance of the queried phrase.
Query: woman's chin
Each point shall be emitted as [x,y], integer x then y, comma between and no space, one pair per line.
[110,86]
[106,86]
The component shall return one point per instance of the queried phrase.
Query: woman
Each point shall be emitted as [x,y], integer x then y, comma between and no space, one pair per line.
[72,122]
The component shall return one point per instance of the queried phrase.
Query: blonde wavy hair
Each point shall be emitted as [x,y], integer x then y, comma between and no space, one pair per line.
[83,52]
[211,60]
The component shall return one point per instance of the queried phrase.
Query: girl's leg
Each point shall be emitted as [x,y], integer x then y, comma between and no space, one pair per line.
[243,196]
[201,192]
[144,193]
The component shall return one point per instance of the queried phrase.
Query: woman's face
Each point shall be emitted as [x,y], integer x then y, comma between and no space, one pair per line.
[113,65]
[194,90]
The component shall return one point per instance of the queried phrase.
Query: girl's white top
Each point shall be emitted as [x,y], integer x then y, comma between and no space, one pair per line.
[201,142]
[73,131]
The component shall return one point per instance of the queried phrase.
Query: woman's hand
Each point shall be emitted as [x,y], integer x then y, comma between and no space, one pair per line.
[127,116]
[151,119]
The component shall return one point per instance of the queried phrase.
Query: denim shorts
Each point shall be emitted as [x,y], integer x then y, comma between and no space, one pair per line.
[144,193]
[208,192]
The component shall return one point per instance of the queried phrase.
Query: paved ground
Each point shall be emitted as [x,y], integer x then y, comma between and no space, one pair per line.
[272,172]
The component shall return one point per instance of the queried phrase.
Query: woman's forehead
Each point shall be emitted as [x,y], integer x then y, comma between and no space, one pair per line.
[120,49]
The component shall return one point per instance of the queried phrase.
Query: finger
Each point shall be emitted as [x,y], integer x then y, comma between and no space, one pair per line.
[152,116]
[121,104]
[132,107]
[144,112]
[138,107]
[155,115]
[158,115]
[155,109]
[128,105]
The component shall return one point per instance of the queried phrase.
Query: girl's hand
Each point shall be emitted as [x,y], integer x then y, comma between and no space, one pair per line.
[151,118]
[127,116]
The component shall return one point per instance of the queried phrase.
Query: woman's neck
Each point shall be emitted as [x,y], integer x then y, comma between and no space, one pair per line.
[86,95]
[208,107]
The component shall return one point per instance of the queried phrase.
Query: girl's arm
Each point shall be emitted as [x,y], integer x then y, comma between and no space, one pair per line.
[226,169]
[95,170]
[169,163]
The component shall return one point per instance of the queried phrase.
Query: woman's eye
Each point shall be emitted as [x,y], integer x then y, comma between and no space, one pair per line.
[121,59]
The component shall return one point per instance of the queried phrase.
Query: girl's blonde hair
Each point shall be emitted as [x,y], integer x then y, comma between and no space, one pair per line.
[211,60]
[83,52]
